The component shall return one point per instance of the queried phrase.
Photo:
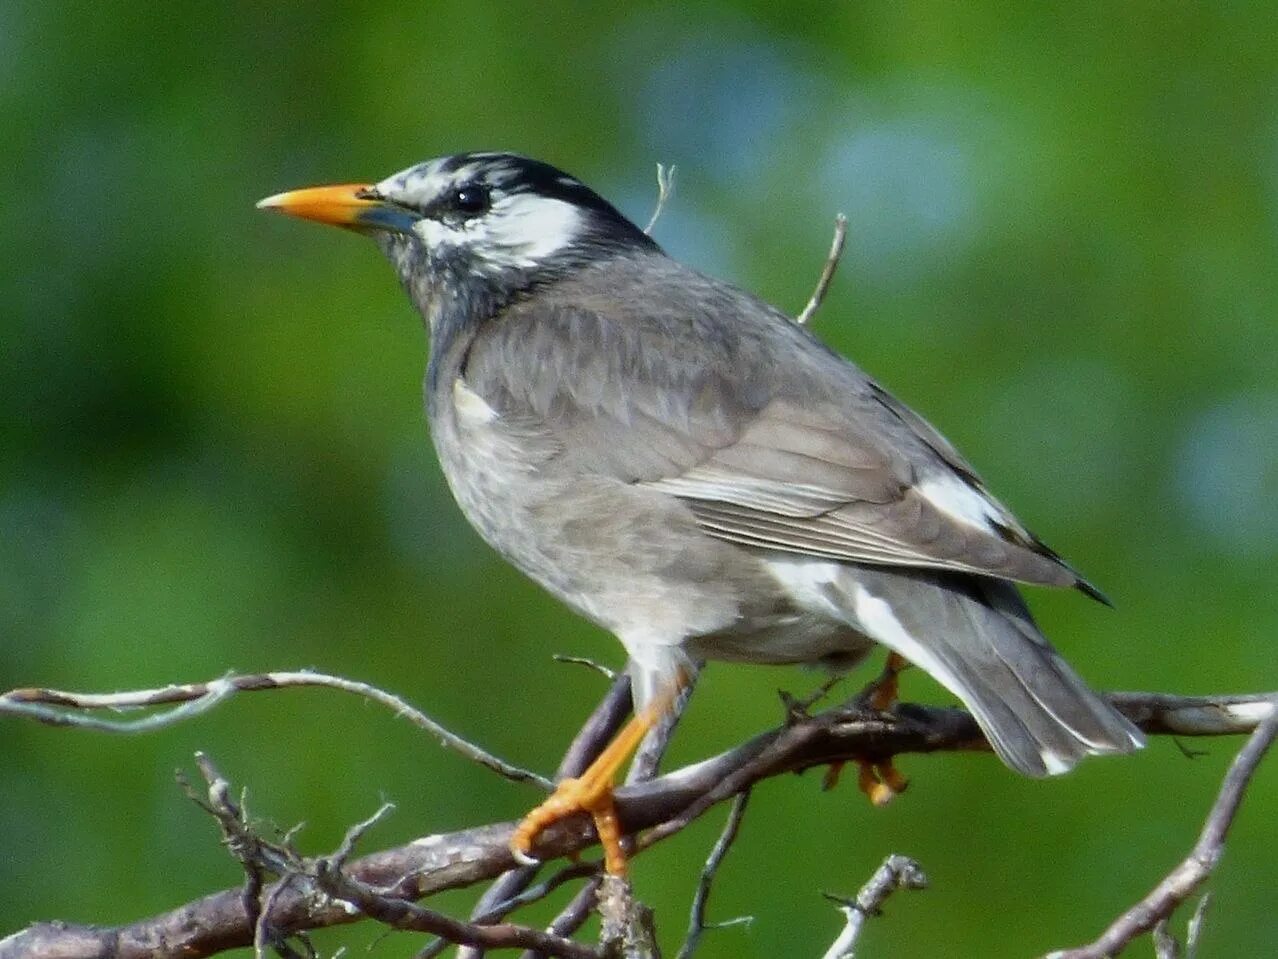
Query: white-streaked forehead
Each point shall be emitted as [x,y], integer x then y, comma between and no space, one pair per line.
[521,229]
[419,184]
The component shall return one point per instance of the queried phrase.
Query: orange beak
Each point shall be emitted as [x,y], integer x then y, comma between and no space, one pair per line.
[346,205]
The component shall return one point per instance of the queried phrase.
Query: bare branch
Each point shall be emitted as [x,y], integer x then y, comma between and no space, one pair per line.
[697,919]
[574,915]
[402,914]
[1196,926]
[897,872]
[662,806]
[827,271]
[1183,881]
[55,707]
[329,876]
[665,190]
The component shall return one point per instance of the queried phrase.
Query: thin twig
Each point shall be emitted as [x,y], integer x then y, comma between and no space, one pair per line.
[1195,930]
[827,271]
[55,707]
[697,920]
[897,872]
[329,875]
[574,915]
[609,674]
[665,190]
[1183,881]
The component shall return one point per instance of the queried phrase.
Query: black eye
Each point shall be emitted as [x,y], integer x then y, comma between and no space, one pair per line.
[471,200]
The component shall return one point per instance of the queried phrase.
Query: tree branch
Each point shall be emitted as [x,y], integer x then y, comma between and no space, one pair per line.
[697,920]
[663,806]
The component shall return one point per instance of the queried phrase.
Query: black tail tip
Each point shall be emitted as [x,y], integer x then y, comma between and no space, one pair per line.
[1087,589]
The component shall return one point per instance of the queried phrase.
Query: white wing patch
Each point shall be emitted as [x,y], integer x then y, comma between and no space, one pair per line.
[960,501]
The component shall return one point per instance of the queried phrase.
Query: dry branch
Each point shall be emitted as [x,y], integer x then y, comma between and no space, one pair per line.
[897,872]
[661,806]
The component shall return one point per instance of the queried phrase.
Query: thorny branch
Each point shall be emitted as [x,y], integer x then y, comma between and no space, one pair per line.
[661,806]
[1183,881]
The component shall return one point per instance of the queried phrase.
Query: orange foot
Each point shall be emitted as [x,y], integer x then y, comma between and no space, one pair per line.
[592,792]
[880,780]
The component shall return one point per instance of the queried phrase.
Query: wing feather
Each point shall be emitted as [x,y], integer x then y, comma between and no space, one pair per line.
[650,385]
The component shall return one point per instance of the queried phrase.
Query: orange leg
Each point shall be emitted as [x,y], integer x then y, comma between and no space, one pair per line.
[592,791]
[886,688]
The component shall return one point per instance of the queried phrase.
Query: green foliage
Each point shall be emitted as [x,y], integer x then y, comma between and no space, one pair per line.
[1063,239]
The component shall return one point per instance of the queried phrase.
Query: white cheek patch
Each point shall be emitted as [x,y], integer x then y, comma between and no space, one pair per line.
[522,230]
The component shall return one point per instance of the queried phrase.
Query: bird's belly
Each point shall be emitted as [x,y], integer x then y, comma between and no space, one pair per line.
[629,558]
[626,558]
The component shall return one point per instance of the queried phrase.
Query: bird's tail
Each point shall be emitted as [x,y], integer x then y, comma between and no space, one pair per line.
[976,636]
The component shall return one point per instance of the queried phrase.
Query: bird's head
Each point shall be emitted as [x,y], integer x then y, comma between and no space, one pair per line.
[468,233]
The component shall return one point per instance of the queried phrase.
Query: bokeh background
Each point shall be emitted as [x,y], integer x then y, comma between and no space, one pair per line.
[1064,251]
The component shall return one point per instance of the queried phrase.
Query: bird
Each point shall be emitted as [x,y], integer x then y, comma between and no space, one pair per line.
[687,467]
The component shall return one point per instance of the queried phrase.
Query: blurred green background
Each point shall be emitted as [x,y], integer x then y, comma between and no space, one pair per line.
[1063,250]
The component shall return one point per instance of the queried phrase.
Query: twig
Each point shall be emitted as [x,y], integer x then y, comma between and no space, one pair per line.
[665,190]
[1183,881]
[1195,930]
[329,875]
[897,872]
[827,271]
[609,674]
[697,920]
[55,707]
[574,915]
